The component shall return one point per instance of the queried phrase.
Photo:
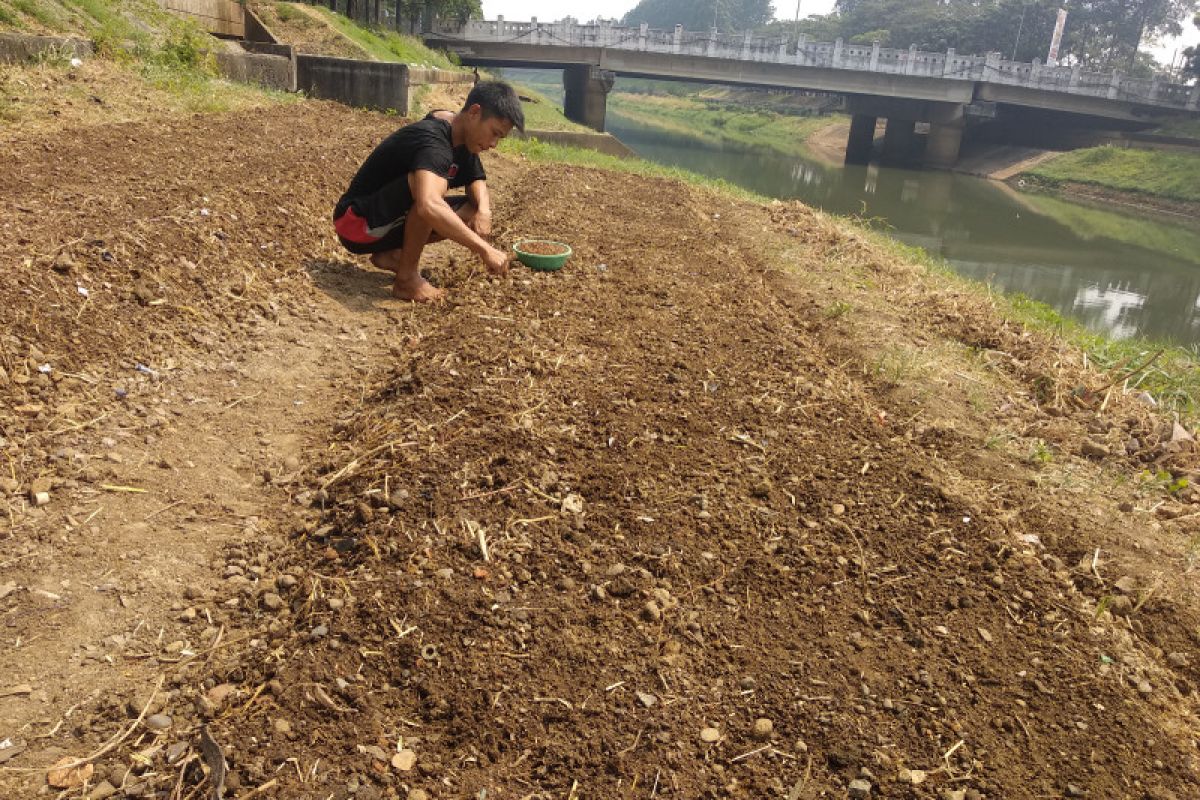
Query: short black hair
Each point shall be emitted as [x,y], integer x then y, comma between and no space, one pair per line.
[497,99]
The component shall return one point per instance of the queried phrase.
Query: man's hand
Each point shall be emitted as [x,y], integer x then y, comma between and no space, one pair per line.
[481,223]
[495,260]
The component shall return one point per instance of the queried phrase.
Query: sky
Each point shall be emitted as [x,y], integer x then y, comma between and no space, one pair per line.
[550,10]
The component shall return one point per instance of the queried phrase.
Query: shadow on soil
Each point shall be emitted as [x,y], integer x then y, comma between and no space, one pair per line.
[356,288]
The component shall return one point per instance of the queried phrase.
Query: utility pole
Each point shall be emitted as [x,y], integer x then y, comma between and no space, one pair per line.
[796,27]
[1020,28]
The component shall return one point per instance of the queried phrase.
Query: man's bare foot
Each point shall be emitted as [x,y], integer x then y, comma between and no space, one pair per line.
[418,291]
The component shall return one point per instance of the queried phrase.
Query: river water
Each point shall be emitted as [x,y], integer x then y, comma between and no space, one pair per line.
[1117,273]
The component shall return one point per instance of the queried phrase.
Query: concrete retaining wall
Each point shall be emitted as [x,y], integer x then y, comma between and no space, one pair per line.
[268,48]
[16,48]
[257,30]
[599,142]
[271,71]
[367,84]
[220,17]
[418,76]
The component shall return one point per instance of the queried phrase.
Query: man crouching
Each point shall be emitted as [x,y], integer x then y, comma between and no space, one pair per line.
[398,203]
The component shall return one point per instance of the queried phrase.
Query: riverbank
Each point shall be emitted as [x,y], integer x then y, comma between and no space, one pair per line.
[1152,180]
[713,120]
[1149,181]
[683,515]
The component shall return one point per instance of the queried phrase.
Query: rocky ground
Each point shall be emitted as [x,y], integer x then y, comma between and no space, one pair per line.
[738,504]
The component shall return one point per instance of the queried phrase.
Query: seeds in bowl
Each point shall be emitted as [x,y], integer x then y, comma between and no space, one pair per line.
[543,248]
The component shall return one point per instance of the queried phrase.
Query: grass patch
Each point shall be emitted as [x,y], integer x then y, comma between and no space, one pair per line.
[47,14]
[543,114]
[148,62]
[1172,175]
[386,45]
[544,152]
[1173,379]
[293,16]
[715,121]
[201,94]
[8,17]
[1183,126]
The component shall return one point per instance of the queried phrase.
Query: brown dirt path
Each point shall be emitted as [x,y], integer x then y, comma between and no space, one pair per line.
[180,398]
[713,490]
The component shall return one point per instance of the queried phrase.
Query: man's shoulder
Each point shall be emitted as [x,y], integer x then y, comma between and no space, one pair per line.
[429,127]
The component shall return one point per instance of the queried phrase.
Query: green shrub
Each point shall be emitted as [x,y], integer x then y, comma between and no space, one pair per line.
[292,15]
[186,48]
[9,17]
[42,12]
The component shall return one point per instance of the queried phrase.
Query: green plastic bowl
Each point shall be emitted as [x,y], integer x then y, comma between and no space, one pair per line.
[540,262]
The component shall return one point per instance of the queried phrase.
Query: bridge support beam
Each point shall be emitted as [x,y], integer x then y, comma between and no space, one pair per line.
[586,98]
[945,140]
[898,141]
[862,139]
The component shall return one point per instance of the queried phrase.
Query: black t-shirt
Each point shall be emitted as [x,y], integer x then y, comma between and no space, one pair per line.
[422,145]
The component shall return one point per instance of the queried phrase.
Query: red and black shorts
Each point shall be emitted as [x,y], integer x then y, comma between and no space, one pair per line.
[375,223]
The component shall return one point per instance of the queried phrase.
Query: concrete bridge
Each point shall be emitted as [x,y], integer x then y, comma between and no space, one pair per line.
[905,87]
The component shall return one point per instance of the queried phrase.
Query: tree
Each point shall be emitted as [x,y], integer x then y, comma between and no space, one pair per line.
[1191,65]
[1100,34]
[411,13]
[693,15]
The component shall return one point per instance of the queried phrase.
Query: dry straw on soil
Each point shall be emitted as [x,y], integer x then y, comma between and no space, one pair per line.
[570,525]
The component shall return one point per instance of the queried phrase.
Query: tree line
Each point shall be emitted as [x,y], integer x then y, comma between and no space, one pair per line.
[410,16]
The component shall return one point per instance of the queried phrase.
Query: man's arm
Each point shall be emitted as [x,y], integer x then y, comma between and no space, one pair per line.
[429,202]
[477,193]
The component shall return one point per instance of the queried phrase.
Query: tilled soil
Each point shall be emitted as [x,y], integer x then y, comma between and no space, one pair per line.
[735,505]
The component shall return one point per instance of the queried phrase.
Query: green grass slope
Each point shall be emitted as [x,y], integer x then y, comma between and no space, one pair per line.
[1175,176]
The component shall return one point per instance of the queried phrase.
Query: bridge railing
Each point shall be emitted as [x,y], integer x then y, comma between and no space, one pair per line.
[832,55]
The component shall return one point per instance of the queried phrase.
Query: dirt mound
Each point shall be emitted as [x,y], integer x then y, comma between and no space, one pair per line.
[306,30]
[597,558]
[674,521]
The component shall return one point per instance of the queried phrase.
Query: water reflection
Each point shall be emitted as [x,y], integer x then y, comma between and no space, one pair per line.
[1115,273]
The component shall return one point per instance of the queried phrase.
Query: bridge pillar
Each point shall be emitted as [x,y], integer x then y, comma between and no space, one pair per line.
[802,49]
[586,98]
[862,139]
[949,67]
[898,141]
[943,144]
